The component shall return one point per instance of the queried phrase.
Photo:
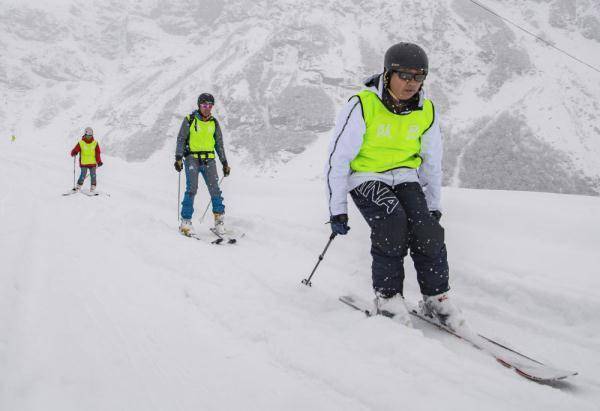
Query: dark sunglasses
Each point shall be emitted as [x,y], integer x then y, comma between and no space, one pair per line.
[405,75]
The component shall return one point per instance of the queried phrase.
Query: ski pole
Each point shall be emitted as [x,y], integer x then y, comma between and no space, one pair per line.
[306,281]
[178,194]
[209,202]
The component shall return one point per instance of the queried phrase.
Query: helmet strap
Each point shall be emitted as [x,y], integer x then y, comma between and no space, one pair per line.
[392,94]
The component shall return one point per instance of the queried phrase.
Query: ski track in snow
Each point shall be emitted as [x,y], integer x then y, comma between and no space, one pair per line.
[106,306]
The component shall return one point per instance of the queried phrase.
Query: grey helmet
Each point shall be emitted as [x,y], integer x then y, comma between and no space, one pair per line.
[88,131]
[206,98]
[406,55]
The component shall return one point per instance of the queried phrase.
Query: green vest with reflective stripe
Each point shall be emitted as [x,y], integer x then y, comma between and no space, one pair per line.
[391,140]
[88,153]
[202,137]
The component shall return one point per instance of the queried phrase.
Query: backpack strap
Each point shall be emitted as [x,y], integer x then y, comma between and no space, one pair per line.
[191,118]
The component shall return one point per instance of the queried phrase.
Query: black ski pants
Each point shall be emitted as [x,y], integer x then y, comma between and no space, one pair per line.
[399,221]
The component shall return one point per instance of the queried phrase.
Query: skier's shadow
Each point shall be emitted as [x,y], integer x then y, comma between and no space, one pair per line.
[564,386]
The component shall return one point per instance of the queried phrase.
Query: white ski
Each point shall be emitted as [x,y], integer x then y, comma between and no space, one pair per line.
[70,192]
[508,357]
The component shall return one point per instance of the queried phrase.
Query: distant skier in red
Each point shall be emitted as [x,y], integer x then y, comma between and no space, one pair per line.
[89,158]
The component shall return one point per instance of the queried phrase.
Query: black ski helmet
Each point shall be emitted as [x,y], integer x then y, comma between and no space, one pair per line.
[206,98]
[406,55]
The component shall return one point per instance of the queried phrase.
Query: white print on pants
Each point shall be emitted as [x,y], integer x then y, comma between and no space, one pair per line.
[380,194]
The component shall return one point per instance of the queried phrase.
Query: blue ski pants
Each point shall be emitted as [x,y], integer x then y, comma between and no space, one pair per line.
[208,168]
[83,175]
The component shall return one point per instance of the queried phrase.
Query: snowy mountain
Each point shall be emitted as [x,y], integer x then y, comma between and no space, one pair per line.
[516,114]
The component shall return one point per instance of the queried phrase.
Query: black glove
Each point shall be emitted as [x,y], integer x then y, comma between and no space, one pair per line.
[178,164]
[100,164]
[226,170]
[339,224]
[437,214]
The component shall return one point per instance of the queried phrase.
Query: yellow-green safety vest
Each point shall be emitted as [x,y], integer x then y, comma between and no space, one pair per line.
[390,140]
[202,137]
[88,153]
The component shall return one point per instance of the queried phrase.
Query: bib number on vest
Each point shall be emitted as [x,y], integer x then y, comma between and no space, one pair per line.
[384,130]
[413,133]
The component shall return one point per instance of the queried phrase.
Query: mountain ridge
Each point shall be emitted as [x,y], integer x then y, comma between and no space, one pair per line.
[281,70]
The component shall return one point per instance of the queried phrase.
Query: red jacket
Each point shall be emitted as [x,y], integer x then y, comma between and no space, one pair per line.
[77,149]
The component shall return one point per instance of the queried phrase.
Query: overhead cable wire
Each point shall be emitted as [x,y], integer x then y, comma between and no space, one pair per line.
[534,35]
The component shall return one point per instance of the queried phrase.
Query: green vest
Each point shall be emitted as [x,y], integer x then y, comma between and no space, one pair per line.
[88,153]
[202,137]
[390,140]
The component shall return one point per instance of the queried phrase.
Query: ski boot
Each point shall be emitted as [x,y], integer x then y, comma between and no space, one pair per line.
[92,189]
[77,187]
[440,307]
[393,307]
[186,228]
[220,224]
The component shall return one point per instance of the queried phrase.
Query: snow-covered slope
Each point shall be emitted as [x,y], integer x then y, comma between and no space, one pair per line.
[516,114]
[104,306]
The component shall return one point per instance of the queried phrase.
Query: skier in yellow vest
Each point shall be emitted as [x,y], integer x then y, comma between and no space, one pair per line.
[386,150]
[89,158]
[198,139]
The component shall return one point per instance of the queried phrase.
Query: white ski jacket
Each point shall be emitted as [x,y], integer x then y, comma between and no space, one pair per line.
[346,141]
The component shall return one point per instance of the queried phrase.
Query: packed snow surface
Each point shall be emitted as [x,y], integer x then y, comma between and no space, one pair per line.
[104,306]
